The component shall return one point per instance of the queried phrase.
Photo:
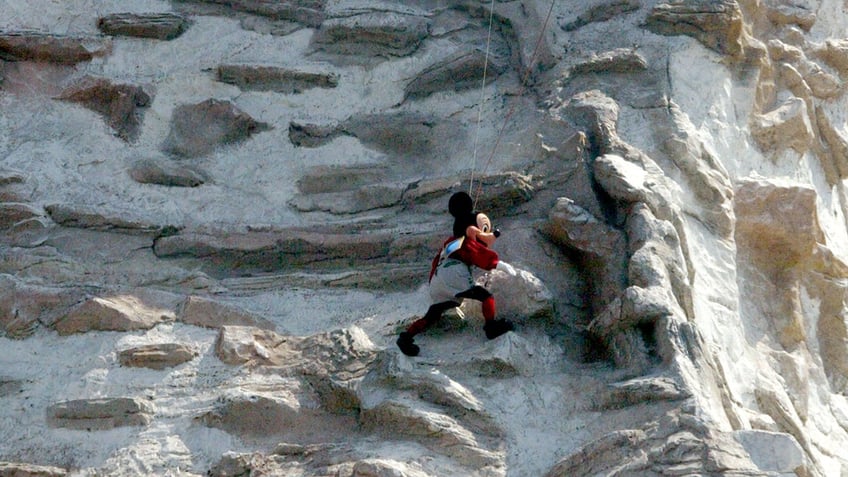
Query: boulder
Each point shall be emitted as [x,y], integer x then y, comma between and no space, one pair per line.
[522,298]
[255,414]
[777,222]
[111,313]
[100,414]
[51,48]
[159,26]
[717,25]
[273,78]
[772,451]
[197,129]
[372,33]
[18,469]
[787,126]
[459,71]
[157,356]
[239,345]
[209,313]
[167,173]
[119,103]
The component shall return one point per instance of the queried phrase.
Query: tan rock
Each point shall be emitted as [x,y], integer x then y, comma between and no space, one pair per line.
[112,313]
[100,414]
[157,356]
[718,25]
[18,469]
[161,26]
[209,313]
[786,126]
[44,47]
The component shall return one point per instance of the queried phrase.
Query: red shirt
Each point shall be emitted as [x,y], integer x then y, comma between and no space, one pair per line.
[472,252]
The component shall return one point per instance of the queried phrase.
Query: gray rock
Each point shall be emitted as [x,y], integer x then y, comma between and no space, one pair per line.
[112,313]
[249,414]
[369,33]
[620,60]
[604,454]
[436,431]
[160,26]
[718,25]
[600,12]
[157,356]
[87,217]
[197,129]
[166,173]
[51,48]
[120,104]
[312,135]
[307,12]
[12,213]
[642,390]
[322,179]
[462,70]
[100,414]
[273,78]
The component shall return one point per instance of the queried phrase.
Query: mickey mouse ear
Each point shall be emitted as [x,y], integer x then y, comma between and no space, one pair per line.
[460,203]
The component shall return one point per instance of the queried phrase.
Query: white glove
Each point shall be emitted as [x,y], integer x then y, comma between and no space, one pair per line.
[506,268]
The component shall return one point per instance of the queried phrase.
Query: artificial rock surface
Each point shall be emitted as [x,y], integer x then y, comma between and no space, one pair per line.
[216,216]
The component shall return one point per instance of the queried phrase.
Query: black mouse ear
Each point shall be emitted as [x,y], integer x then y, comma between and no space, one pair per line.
[460,204]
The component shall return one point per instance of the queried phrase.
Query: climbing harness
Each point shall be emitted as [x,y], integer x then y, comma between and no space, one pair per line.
[476,194]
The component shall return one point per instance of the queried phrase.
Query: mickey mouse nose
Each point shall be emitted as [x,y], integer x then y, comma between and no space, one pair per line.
[497,233]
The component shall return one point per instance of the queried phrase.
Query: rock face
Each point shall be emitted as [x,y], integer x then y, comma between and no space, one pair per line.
[213,281]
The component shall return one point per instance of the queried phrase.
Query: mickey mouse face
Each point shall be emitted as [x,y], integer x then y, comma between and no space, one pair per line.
[483,223]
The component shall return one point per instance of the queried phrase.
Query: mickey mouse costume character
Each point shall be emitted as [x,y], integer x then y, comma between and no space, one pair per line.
[450,275]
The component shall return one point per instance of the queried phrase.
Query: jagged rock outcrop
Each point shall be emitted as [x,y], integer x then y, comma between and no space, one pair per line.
[667,177]
[100,414]
[161,26]
[718,25]
[118,103]
[197,129]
